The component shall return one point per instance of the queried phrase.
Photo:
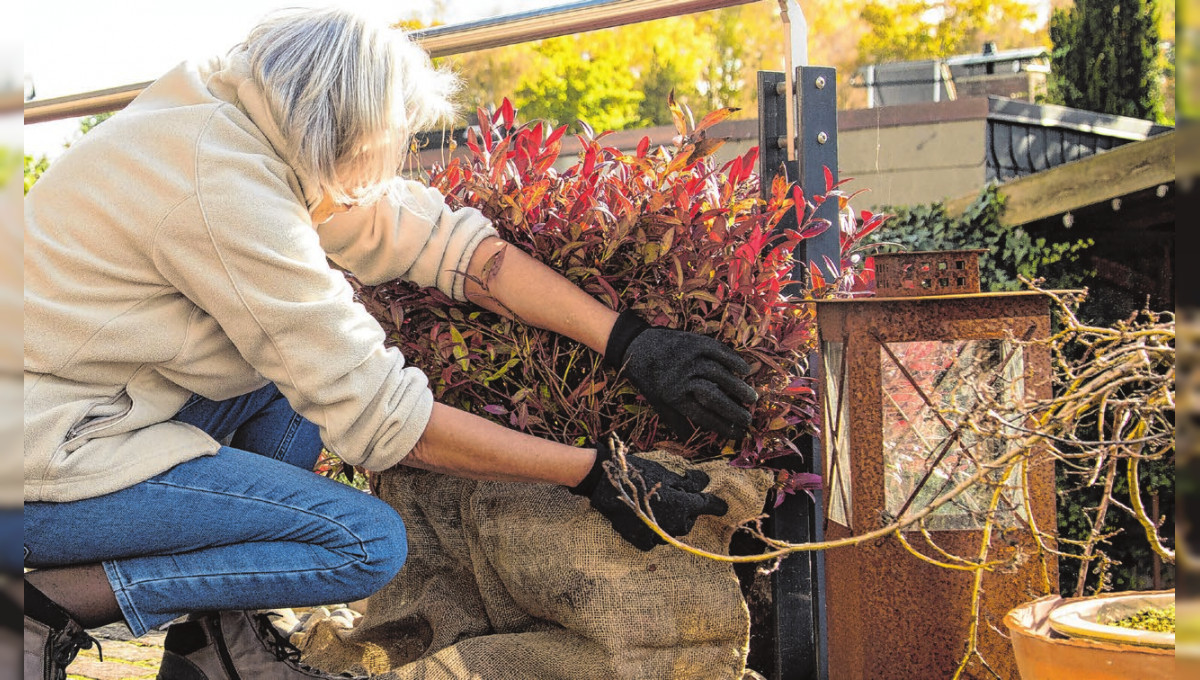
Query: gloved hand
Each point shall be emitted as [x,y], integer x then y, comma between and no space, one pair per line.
[691,380]
[676,503]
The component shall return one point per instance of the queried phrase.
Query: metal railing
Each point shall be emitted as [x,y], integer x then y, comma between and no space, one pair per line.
[439,41]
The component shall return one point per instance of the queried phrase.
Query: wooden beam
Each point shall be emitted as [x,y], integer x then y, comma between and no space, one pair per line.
[1087,181]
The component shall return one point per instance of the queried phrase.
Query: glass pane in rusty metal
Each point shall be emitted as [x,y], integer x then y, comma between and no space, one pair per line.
[924,401]
[837,423]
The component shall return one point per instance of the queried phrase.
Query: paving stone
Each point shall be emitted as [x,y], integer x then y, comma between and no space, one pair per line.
[115,631]
[119,631]
[86,667]
[123,660]
[129,651]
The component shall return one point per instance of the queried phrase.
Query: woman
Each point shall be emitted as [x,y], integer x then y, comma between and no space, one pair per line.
[189,349]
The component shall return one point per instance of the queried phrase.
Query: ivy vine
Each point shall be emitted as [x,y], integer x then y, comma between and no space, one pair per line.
[1011,251]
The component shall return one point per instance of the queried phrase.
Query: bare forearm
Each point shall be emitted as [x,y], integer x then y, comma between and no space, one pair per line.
[537,295]
[464,445]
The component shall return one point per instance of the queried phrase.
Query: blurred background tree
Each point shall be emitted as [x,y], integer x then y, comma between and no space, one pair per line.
[906,30]
[619,78]
[1108,58]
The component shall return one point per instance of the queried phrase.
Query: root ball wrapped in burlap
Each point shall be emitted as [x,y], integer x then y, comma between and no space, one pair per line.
[510,581]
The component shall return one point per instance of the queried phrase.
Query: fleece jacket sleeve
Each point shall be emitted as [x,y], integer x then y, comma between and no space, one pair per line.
[410,235]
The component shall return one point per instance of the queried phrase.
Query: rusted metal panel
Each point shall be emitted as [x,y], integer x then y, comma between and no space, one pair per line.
[890,614]
[947,272]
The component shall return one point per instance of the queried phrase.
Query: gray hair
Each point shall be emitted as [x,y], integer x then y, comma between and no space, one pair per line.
[347,95]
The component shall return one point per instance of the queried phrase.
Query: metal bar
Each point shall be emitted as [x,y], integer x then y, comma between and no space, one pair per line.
[795,52]
[439,41]
[773,102]
[816,150]
[85,104]
[552,22]
[789,651]
[797,620]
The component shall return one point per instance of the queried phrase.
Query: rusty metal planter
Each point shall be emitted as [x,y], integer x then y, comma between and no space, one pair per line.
[891,615]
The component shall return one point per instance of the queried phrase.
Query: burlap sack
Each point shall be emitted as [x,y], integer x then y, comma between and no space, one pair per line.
[510,581]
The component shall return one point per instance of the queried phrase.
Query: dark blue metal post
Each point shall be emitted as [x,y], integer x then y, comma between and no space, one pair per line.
[798,609]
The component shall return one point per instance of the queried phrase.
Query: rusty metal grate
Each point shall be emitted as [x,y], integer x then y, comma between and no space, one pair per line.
[945,272]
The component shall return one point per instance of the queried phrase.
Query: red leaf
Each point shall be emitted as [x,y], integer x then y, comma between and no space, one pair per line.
[800,386]
[548,157]
[779,187]
[556,135]
[705,148]
[813,227]
[642,147]
[872,223]
[798,200]
[804,480]
[814,273]
[485,129]
[507,113]
[613,298]
[589,161]
[748,161]
[715,117]
[677,114]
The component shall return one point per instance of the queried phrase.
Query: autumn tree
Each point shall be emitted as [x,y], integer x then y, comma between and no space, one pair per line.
[709,59]
[575,83]
[619,78]
[906,30]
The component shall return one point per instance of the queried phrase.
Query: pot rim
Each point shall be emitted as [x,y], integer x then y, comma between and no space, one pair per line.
[1018,629]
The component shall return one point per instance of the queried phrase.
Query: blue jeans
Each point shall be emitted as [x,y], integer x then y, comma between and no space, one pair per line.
[10,525]
[248,528]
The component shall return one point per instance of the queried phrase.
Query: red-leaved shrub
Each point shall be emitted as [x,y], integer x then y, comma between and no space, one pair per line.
[663,231]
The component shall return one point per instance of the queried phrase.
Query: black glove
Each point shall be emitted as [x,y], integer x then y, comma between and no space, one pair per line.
[691,380]
[676,503]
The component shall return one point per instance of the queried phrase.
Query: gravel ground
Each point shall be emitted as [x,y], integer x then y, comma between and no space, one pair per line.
[125,658]
[129,658]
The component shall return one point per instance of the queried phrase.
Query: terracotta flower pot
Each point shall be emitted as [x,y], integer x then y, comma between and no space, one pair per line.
[1043,654]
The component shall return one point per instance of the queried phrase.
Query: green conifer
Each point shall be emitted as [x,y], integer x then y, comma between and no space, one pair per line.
[1106,58]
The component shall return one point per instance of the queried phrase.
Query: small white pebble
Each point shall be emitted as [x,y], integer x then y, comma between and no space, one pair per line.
[284,620]
[318,614]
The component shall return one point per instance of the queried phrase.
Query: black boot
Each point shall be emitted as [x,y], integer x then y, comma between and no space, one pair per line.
[232,645]
[52,638]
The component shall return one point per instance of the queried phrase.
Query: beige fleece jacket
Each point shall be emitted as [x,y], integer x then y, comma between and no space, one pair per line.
[171,252]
